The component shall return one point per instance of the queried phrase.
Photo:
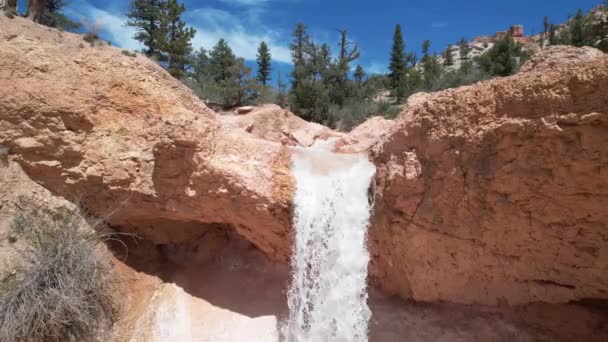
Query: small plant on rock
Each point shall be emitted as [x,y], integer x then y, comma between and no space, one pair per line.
[128,53]
[92,31]
[3,155]
[62,287]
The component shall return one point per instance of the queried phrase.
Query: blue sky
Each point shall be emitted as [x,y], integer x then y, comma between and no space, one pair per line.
[244,23]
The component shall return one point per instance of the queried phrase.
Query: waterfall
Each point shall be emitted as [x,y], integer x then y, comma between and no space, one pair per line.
[328,295]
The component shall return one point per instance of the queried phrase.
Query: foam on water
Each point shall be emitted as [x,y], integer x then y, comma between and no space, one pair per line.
[328,295]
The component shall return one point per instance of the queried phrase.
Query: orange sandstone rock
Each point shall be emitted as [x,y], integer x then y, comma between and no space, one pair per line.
[497,192]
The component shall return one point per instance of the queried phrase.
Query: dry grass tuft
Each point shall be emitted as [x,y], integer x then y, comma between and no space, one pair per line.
[62,288]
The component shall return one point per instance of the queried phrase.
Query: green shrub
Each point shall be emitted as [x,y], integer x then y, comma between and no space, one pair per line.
[91,31]
[387,109]
[504,58]
[62,287]
[128,53]
[3,155]
[9,13]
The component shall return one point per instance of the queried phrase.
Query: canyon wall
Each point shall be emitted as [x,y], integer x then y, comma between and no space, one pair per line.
[492,193]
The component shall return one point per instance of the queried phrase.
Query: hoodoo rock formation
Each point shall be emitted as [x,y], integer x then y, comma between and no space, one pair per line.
[497,192]
[491,193]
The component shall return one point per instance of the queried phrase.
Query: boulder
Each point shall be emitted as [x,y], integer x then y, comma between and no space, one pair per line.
[364,136]
[243,110]
[134,145]
[273,123]
[496,193]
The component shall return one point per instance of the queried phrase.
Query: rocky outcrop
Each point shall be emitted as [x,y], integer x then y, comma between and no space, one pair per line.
[497,192]
[271,122]
[135,145]
[364,136]
[561,56]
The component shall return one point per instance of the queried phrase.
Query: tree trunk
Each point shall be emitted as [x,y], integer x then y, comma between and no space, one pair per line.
[35,10]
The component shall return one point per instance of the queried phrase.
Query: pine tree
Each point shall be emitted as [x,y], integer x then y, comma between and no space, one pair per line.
[397,65]
[577,29]
[299,44]
[35,10]
[178,46]
[239,87]
[146,16]
[53,16]
[503,59]
[11,6]
[282,91]
[359,74]
[465,49]
[201,64]
[264,63]
[349,51]
[552,35]
[426,46]
[448,58]
[221,59]
[339,84]
[546,27]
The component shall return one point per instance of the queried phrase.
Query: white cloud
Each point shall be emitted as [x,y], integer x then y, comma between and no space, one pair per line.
[439,25]
[111,24]
[253,2]
[376,68]
[243,33]
[246,2]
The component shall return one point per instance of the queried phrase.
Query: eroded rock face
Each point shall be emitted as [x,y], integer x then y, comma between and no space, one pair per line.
[273,123]
[134,144]
[364,136]
[497,192]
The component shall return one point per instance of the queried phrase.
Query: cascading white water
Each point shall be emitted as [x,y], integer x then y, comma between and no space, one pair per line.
[328,295]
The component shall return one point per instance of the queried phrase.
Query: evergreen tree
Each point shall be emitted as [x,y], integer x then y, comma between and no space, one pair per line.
[35,10]
[349,51]
[54,17]
[178,46]
[503,59]
[465,49]
[299,44]
[146,16]
[359,74]
[546,27]
[221,59]
[11,6]
[397,65]
[282,91]
[552,35]
[426,46]
[264,63]
[448,59]
[340,86]
[201,64]
[577,29]
[240,87]
[432,70]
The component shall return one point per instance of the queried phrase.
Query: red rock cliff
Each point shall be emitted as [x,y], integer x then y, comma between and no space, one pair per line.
[497,192]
